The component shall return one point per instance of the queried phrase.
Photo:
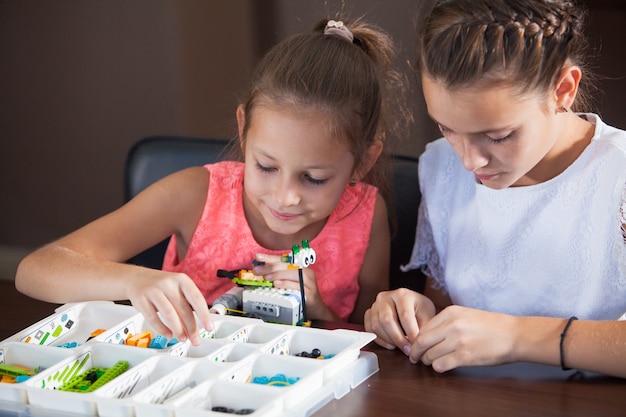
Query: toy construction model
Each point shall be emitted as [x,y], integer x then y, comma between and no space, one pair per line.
[257,297]
[245,277]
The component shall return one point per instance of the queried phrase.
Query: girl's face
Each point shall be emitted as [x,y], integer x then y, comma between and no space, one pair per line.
[503,139]
[295,173]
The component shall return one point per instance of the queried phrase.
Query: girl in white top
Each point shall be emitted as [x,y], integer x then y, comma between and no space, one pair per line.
[521,229]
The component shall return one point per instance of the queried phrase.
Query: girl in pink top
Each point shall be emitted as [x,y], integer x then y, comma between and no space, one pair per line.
[340,246]
[311,132]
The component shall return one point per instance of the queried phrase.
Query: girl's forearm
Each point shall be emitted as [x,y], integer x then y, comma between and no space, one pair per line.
[60,275]
[596,346]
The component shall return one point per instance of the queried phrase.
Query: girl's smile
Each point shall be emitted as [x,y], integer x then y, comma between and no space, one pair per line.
[283,216]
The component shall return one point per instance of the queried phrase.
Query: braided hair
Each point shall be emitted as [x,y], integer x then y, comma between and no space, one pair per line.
[520,43]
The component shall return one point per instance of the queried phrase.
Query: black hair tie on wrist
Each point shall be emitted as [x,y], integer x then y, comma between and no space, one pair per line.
[569,322]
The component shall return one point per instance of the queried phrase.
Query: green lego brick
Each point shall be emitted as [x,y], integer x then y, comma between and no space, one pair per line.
[94,378]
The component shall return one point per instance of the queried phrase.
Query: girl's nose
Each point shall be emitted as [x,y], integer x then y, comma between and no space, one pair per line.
[287,193]
[472,156]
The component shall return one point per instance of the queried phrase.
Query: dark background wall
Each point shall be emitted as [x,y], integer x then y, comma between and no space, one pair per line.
[81,81]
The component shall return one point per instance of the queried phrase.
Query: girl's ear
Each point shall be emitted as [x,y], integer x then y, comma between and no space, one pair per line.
[241,124]
[370,158]
[567,86]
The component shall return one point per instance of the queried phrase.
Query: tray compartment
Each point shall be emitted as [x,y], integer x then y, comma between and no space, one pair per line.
[137,325]
[303,377]
[43,389]
[29,356]
[115,398]
[74,323]
[199,401]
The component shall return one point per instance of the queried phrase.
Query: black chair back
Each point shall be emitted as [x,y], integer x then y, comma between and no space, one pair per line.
[155,157]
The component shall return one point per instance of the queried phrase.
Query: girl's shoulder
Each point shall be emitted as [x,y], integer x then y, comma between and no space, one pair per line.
[439,165]
[225,167]
[438,148]
[360,198]
[439,155]
[225,173]
[607,134]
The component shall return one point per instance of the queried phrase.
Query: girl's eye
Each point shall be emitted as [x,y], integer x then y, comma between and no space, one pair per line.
[264,168]
[500,140]
[314,181]
[306,177]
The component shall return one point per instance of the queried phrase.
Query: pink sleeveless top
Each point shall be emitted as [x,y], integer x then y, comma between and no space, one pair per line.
[223,240]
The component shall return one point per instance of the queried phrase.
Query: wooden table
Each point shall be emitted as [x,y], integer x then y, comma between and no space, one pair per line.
[401,389]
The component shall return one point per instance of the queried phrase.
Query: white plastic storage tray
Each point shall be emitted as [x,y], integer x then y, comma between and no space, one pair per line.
[243,366]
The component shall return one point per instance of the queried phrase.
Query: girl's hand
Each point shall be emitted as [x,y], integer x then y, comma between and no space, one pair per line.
[287,278]
[168,301]
[396,317]
[461,336]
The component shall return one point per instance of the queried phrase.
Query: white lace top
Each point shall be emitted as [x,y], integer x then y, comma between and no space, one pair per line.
[553,249]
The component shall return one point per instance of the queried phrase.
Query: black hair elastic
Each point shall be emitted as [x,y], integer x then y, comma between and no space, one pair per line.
[569,322]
